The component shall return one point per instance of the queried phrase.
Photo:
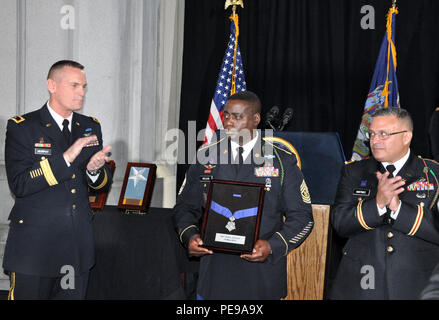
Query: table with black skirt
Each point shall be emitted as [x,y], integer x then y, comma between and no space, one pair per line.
[137,256]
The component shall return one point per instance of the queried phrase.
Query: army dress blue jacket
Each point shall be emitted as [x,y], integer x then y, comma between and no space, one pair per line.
[386,258]
[51,220]
[225,275]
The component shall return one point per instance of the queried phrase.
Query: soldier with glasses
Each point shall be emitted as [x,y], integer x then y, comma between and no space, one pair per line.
[386,208]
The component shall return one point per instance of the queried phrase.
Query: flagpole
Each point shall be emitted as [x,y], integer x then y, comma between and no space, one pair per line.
[231,77]
[234,17]
[234,4]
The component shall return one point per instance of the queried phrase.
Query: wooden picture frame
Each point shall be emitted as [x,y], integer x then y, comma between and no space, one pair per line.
[137,186]
[232,216]
[98,199]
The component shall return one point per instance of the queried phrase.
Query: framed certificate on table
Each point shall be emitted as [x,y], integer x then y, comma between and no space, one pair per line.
[232,216]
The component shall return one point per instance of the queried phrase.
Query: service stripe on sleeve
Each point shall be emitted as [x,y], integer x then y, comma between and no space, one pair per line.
[359,214]
[283,239]
[418,221]
[181,233]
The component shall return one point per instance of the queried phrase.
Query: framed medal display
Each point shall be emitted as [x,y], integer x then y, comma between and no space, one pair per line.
[98,199]
[232,216]
[137,186]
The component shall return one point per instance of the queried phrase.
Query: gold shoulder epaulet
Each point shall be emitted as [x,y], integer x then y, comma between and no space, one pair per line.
[18,119]
[211,144]
[95,120]
[349,162]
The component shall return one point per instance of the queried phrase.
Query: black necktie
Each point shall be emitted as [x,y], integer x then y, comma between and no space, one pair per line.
[391,168]
[239,160]
[66,131]
[240,152]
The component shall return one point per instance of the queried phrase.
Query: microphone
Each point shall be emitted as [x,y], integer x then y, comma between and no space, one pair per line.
[271,115]
[286,118]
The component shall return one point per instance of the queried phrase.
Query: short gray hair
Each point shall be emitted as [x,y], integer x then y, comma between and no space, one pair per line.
[399,113]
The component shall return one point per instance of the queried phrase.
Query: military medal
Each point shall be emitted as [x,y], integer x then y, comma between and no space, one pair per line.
[268,184]
[266,172]
[239,214]
[420,185]
[43,148]
[231,224]
[93,144]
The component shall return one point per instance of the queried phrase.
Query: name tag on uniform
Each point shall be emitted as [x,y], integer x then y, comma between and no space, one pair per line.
[361,192]
[205,178]
[43,151]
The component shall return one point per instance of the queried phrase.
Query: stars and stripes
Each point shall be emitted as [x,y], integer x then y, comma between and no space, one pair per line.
[230,80]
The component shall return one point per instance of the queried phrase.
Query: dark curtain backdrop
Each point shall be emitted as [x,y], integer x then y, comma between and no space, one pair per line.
[313,56]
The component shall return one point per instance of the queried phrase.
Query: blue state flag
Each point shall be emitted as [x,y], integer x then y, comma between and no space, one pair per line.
[383,90]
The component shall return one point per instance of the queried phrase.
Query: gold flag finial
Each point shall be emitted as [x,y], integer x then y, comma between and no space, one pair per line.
[234,3]
[394,4]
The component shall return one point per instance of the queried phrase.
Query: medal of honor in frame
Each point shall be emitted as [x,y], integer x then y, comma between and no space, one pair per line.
[232,216]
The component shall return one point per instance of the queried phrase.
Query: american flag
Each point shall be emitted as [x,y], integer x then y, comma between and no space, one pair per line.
[230,80]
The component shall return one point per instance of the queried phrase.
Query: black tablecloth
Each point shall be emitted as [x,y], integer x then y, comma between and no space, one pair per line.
[137,256]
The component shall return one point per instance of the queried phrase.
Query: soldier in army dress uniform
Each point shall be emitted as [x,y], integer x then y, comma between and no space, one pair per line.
[386,207]
[53,155]
[262,273]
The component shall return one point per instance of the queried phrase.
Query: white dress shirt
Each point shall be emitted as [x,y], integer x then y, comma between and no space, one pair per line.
[247,147]
[398,165]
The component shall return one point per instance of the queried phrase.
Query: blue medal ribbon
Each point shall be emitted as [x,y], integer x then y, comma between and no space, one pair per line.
[239,214]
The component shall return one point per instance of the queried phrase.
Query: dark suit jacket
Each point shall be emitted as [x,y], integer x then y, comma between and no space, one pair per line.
[385,258]
[227,276]
[50,223]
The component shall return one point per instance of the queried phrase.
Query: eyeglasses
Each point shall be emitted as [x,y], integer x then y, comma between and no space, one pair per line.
[382,135]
